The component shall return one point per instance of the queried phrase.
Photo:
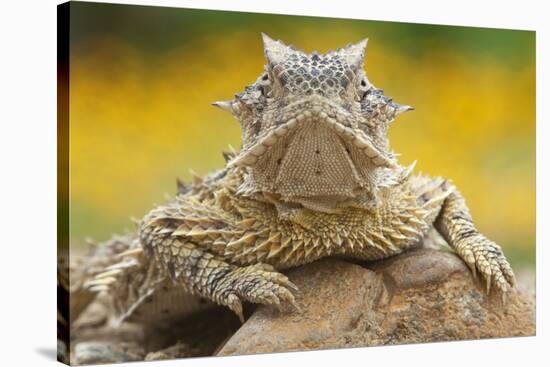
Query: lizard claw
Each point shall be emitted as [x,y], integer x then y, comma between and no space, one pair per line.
[483,255]
[258,285]
[235,305]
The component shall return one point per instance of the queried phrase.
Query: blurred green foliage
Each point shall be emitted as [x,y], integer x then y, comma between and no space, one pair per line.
[143,78]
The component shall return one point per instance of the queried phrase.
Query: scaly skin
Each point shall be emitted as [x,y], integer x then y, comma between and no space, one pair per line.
[314,178]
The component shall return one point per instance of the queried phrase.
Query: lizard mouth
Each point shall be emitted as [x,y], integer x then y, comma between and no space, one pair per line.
[314,120]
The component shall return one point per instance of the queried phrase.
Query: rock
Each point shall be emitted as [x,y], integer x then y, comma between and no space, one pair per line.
[179,350]
[98,341]
[421,296]
[95,338]
[107,352]
[197,335]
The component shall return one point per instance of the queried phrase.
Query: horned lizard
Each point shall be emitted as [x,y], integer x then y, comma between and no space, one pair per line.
[314,178]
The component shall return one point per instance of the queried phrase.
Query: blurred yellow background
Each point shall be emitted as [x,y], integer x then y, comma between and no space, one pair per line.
[142,80]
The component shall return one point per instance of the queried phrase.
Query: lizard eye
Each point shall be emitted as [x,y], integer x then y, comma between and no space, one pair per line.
[364,89]
[264,85]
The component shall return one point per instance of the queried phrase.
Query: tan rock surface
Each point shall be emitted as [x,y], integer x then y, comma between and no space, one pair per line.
[421,296]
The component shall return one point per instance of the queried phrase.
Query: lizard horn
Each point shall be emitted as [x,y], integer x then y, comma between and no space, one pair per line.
[224,105]
[275,51]
[355,54]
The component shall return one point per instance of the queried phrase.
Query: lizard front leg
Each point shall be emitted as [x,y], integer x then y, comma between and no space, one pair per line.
[482,255]
[212,276]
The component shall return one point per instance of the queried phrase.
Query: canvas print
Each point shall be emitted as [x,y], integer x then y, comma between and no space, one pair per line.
[233,183]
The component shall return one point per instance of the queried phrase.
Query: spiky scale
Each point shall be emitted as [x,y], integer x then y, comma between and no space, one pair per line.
[410,230]
[247,223]
[379,237]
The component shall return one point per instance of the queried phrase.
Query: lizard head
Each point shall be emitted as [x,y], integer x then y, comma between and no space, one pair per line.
[314,128]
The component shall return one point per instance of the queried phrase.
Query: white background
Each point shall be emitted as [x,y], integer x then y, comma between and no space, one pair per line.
[28,181]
